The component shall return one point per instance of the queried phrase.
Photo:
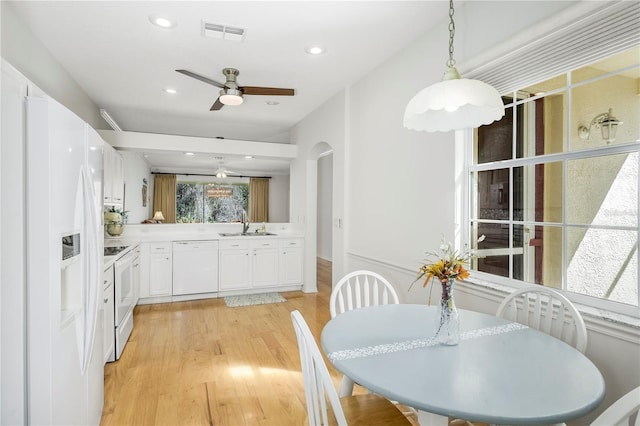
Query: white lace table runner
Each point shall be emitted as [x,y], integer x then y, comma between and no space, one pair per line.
[419,343]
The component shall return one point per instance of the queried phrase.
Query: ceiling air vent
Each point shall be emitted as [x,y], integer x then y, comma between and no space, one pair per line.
[222,32]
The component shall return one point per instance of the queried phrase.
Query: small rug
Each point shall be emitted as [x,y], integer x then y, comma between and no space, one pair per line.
[253,299]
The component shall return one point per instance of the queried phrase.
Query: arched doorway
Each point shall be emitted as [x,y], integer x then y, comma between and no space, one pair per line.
[320,150]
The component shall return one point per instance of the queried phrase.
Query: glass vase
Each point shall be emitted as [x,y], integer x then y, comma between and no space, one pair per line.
[448,320]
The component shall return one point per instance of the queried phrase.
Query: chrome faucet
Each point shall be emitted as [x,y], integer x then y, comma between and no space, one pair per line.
[245,222]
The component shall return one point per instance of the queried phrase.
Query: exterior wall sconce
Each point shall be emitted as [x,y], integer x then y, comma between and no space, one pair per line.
[606,122]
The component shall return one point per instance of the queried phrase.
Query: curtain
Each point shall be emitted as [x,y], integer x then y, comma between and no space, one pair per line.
[259,200]
[164,197]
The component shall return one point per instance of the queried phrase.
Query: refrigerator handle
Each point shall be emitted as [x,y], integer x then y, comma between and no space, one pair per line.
[92,295]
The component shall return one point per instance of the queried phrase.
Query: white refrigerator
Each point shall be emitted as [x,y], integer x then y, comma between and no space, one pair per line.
[64,173]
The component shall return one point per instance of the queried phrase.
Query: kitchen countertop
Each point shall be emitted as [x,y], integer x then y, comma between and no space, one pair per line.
[131,242]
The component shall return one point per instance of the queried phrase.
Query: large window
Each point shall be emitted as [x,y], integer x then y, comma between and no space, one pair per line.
[208,202]
[552,188]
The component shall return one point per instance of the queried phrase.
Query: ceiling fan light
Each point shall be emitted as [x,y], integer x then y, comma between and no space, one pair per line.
[231,97]
[453,104]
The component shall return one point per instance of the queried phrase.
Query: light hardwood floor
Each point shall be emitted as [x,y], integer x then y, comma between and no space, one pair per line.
[202,363]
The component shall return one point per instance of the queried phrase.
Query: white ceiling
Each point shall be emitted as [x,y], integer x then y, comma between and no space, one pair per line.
[123,62]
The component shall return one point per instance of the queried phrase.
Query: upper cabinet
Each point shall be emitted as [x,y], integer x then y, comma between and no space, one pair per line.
[113,177]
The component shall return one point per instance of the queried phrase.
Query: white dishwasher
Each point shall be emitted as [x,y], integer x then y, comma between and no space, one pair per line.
[195,267]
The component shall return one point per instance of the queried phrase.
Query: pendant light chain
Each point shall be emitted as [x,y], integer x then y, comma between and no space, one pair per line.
[452,30]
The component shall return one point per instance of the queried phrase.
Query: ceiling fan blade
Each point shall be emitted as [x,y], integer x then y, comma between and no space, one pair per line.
[216,105]
[269,91]
[201,78]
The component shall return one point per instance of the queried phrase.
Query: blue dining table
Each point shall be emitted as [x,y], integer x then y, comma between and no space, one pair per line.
[501,372]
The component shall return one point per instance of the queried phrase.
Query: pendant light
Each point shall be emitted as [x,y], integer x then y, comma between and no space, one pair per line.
[454,103]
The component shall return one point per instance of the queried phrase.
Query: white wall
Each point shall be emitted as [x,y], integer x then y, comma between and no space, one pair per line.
[135,170]
[325,205]
[279,198]
[27,54]
[323,129]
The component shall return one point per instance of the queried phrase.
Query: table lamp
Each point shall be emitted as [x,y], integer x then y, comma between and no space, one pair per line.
[158,217]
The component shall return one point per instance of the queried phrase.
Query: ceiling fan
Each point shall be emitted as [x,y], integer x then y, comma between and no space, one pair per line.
[231,93]
[222,172]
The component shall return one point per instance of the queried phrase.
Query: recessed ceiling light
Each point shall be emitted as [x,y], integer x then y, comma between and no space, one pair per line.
[162,21]
[188,153]
[315,50]
[248,157]
[272,103]
[170,90]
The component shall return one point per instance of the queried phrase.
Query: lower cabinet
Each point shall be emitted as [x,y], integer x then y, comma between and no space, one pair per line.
[160,269]
[264,263]
[291,261]
[244,263]
[260,263]
[234,265]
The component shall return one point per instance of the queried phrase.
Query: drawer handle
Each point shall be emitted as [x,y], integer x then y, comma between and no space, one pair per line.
[106,300]
[235,245]
[105,281]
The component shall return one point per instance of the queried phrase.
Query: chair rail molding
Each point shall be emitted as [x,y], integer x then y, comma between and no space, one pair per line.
[601,321]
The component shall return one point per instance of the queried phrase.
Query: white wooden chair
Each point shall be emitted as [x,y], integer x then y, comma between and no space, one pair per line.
[367,409]
[359,289]
[620,413]
[356,290]
[546,310]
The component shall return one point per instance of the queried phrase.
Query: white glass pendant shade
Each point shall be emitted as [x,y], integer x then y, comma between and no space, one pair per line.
[453,104]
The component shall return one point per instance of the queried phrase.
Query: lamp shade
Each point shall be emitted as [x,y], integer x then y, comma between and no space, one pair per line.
[453,104]
[158,216]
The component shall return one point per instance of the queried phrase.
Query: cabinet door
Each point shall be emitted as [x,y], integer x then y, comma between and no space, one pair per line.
[291,262]
[160,274]
[118,178]
[108,174]
[113,176]
[264,267]
[234,269]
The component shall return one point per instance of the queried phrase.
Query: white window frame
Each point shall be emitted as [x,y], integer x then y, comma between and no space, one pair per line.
[521,72]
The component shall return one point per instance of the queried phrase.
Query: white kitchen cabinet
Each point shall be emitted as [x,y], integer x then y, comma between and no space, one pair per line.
[291,260]
[264,263]
[234,265]
[113,176]
[108,313]
[195,267]
[160,269]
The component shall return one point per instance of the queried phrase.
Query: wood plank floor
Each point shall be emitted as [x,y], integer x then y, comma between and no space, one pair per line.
[202,363]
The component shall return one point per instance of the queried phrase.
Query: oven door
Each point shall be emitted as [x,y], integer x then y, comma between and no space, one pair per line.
[124,289]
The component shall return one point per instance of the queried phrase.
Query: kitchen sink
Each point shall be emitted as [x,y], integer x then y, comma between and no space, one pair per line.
[248,234]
